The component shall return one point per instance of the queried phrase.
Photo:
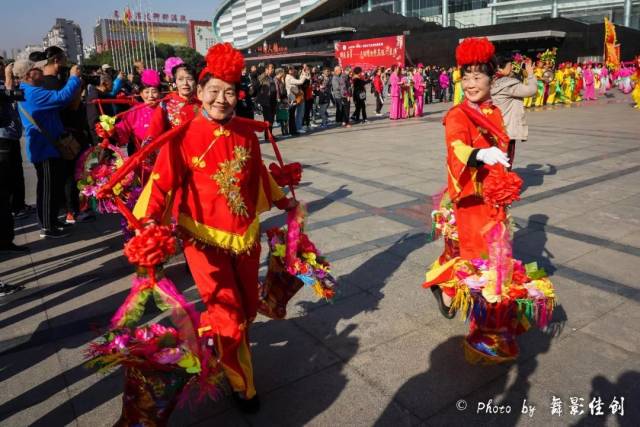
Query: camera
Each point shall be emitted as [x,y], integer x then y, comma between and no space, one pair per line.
[11,95]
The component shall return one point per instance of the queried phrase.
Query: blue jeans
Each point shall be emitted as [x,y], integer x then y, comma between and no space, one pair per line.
[299,115]
[323,114]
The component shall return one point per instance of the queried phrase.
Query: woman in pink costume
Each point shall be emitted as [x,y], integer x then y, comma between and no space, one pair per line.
[134,125]
[396,93]
[589,84]
[418,90]
[605,81]
[444,85]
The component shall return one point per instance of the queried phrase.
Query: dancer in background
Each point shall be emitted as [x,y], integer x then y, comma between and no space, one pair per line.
[419,88]
[133,128]
[589,79]
[395,82]
[177,107]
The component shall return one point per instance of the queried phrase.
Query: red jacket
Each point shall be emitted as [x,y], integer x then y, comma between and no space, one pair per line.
[172,111]
[377,84]
[217,174]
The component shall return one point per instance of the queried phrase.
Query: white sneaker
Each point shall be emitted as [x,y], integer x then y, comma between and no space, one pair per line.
[302,131]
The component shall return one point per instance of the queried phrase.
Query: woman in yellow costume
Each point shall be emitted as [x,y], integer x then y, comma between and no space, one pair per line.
[636,90]
[458,94]
[568,84]
[538,72]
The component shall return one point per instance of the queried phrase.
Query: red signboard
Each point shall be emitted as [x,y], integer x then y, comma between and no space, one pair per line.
[371,53]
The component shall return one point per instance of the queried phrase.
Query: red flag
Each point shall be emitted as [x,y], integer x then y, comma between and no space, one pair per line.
[174,18]
[165,16]
[183,18]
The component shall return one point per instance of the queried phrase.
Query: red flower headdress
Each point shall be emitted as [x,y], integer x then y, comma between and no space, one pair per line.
[224,63]
[474,50]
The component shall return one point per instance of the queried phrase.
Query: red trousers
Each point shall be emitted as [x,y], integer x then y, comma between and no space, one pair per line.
[228,286]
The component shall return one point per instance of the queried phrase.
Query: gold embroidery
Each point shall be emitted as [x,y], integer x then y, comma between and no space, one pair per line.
[197,162]
[228,182]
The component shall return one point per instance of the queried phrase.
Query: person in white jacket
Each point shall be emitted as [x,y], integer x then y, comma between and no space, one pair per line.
[296,99]
[507,93]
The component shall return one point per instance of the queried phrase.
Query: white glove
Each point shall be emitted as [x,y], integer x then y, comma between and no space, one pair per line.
[493,155]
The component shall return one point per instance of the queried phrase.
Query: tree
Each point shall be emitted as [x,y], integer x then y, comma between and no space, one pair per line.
[104,57]
[190,56]
[164,50]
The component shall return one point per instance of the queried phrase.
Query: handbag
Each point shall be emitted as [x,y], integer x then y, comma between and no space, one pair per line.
[66,144]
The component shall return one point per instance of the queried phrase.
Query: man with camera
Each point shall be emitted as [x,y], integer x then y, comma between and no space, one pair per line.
[73,118]
[46,142]
[10,133]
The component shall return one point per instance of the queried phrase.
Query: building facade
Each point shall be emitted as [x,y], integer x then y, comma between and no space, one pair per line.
[201,36]
[246,23]
[67,36]
[110,32]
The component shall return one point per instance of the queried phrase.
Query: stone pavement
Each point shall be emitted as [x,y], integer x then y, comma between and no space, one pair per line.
[380,354]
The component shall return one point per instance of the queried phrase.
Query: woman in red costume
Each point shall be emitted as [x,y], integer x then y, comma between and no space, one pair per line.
[471,152]
[214,167]
[177,107]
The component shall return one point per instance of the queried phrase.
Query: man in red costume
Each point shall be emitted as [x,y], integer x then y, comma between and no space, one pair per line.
[472,149]
[214,168]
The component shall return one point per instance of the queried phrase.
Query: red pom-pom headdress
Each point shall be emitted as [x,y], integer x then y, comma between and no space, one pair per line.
[474,50]
[224,63]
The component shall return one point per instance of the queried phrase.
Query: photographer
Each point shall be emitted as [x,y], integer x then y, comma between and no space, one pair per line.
[10,158]
[40,117]
[73,119]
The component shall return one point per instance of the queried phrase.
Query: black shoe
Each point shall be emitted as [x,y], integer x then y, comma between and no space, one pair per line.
[447,312]
[247,406]
[53,234]
[12,247]
[60,226]
[23,212]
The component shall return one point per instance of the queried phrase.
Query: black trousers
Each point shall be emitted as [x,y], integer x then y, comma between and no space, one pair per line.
[343,110]
[71,192]
[6,190]
[50,175]
[361,109]
[268,115]
[292,120]
[378,102]
[428,95]
[308,110]
[17,175]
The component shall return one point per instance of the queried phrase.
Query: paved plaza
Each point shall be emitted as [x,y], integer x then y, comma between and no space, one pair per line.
[381,354]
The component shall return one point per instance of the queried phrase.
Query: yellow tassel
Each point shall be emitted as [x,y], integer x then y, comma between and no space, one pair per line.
[462,301]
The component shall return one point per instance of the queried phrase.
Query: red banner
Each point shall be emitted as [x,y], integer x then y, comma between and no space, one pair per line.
[371,53]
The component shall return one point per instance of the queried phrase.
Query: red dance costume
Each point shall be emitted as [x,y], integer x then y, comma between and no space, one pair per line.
[172,111]
[464,187]
[222,186]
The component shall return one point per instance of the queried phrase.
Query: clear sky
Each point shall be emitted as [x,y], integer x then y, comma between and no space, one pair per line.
[25,22]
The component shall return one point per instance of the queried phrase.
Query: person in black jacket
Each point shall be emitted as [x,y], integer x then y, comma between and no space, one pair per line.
[267,95]
[360,81]
[244,107]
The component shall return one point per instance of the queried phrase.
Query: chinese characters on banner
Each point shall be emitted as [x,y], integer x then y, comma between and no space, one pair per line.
[371,53]
[151,16]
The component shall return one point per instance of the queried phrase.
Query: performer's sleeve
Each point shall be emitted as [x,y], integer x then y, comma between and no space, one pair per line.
[123,131]
[167,176]
[157,123]
[458,151]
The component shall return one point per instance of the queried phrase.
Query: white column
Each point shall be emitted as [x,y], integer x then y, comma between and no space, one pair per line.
[554,9]
[369,5]
[627,13]
[403,7]
[445,13]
